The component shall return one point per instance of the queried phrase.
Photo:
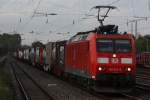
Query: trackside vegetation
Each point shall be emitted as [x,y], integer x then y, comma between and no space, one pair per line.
[4,84]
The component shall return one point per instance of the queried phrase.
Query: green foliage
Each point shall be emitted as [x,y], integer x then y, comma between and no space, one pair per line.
[9,42]
[4,85]
[143,43]
[37,44]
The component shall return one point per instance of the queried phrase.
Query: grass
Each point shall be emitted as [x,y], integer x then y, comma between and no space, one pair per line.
[4,85]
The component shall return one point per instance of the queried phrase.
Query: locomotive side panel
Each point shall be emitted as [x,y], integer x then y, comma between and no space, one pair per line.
[77,59]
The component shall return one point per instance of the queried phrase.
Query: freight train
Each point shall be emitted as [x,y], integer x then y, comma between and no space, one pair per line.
[143,59]
[101,59]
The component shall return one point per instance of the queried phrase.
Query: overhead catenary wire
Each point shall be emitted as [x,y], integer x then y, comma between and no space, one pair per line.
[116,1]
[80,19]
[36,7]
[76,21]
[32,16]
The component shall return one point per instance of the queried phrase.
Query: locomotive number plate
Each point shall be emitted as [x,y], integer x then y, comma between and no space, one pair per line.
[114,60]
[115,69]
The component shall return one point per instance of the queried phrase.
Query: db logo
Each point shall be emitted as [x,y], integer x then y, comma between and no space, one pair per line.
[114,60]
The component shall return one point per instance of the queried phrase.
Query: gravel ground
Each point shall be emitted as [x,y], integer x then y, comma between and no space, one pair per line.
[143,72]
[145,95]
[61,90]
[57,88]
[33,91]
[15,91]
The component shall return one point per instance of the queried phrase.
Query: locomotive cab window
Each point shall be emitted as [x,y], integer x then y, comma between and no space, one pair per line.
[104,45]
[122,46]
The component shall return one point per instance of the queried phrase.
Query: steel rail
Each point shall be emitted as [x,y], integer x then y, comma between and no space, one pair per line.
[36,84]
[142,86]
[130,96]
[21,87]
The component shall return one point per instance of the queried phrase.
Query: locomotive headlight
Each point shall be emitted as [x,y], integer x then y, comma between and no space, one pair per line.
[100,68]
[114,55]
[103,60]
[126,60]
[129,69]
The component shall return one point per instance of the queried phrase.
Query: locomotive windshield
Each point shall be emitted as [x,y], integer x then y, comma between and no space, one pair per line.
[122,46]
[104,45]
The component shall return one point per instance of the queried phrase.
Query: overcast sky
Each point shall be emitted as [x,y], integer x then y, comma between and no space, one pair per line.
[16,15]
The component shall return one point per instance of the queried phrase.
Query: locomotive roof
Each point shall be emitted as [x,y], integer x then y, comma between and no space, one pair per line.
[111,30]
[107,29]
[125,36]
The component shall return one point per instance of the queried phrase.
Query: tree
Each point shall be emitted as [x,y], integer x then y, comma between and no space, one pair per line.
[37,44]
[9,42]
[143,43]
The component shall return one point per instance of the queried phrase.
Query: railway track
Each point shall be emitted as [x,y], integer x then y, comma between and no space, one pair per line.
[24,90]
[140,76]
[143,81]
[143,70]
[122,96]
[103,96]
[142,86]
[110,96]
[130,97]
[21,87]
[118,96]
[114,96]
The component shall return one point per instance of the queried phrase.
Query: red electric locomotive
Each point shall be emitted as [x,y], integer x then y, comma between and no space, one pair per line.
[102,58]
